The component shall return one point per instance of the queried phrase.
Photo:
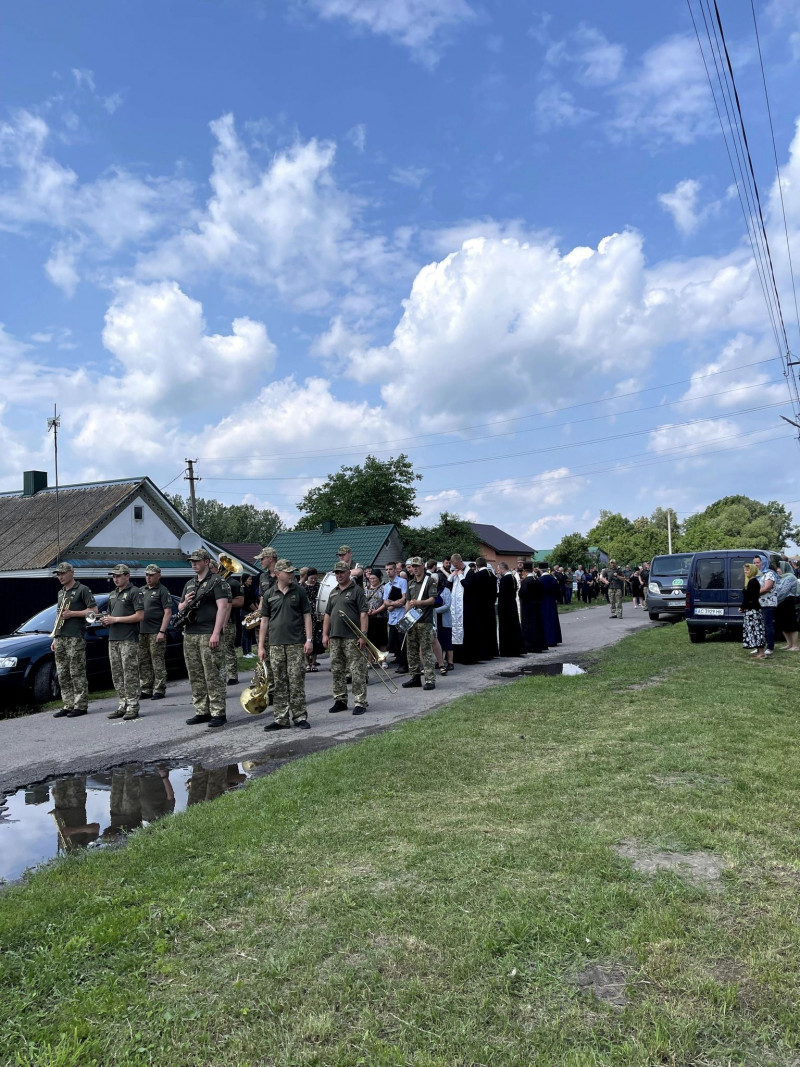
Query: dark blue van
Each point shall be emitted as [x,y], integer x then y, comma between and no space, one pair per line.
[715,590]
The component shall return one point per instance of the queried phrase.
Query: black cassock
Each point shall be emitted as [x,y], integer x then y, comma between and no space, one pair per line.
[467,652]
[530,599]
[486,586]
[552,627]
[508,617]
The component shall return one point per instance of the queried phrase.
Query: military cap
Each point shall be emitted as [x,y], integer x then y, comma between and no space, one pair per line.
[340,566]
[266,552]
[152,568]
[62,568]
[121,568]
[342,549]
[199,553]
[285,565]
[416,561]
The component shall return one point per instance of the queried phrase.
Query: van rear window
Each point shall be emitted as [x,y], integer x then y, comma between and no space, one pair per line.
[671,566]
[710,574]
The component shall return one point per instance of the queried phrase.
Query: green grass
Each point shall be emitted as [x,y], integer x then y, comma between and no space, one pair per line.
[429,895]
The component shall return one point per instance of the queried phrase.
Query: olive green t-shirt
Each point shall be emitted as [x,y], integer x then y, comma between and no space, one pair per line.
[286,612]
[350,600]
[155,601]
[207,593]
[79,598]
[265,582]
[124,602]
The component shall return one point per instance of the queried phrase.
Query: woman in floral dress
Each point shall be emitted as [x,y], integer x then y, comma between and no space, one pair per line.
[753,636]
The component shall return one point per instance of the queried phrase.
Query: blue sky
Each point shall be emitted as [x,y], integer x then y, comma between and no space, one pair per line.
[502,238]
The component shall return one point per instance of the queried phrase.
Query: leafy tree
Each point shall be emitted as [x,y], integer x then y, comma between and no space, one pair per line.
[739,522]
[372,495]
[452,534]
[614,534]
[571,550]
[230,522]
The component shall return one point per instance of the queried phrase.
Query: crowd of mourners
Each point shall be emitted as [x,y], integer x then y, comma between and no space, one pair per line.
[769,605]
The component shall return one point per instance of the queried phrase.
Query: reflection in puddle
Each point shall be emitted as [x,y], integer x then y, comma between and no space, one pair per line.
[41,821]
[549,669]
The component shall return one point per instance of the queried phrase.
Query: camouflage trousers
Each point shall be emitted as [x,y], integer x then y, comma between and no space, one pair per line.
[205,668]
[152,664]
[124,659]
[228,644]
[347,659]
[288,670]
[615,603]
[419,643]
[268,668]
[71,666]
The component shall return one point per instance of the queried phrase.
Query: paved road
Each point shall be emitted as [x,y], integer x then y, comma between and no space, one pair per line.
[35,747]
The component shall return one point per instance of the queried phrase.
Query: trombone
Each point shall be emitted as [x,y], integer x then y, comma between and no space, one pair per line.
[379,663]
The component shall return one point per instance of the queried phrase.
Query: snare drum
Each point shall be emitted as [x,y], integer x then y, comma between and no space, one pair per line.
[411,618]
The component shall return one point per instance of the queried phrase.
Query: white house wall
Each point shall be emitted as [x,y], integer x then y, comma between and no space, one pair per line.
[148,532]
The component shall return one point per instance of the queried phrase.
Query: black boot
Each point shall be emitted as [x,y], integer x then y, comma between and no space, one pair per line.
[413,682]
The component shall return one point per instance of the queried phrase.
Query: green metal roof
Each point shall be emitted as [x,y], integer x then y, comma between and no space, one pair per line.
[542,555]
[313,548]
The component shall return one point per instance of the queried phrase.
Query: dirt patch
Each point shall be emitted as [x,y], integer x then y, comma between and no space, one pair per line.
[695,868]
[648,683]
[606,982]
[689,781]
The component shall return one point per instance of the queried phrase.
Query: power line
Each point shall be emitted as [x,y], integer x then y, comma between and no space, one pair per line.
[777,167]
[746,181]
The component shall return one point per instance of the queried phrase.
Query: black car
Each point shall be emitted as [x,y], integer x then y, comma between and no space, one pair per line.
[28,669]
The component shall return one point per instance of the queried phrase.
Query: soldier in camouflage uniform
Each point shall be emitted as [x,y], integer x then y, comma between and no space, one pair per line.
[229,633]
[157,604]
[267,558]
[344,646]
[69,644]
[421,594]
[201,641]
[225,582]
[286,622]
[123,614]
[614,581]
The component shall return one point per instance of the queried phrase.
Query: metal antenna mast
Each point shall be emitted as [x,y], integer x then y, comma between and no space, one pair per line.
[53,424]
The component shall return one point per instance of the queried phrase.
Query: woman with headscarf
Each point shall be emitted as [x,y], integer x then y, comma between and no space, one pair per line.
[786,611]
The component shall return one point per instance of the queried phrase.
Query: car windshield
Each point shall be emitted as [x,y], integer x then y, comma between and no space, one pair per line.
[671,566]
[44,621]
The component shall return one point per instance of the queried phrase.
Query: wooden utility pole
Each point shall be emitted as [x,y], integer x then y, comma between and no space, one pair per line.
[53,424]
[191,478]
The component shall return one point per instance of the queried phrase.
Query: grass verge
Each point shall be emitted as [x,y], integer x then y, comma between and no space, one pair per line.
[449,893]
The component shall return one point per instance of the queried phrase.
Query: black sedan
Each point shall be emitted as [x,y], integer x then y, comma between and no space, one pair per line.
[28,669]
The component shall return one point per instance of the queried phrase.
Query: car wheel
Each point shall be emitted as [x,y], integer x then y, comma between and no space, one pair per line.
[697,637]
[654,616]
[45,683]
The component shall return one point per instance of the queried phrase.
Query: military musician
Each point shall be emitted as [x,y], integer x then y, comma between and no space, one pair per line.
[75,601]
[345,648]
[285,637]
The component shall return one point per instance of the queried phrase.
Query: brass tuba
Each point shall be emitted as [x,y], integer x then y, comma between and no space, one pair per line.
[228,566]
[252,621]
[255,697]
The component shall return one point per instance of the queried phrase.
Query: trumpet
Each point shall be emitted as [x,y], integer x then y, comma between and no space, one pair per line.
[66,600]
[251,621]
[378,664]
[93,619]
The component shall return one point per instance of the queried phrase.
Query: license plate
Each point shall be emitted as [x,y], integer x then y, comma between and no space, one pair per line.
[709,611]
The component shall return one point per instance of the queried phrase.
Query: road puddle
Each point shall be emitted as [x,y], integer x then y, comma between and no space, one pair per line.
[40,822]
[550,670]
